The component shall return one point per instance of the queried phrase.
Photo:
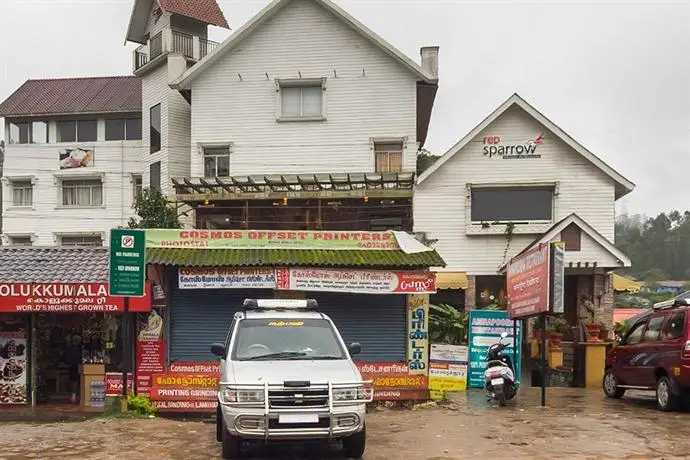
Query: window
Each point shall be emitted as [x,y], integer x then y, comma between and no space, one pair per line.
[81,240]
[676,325]
[635,334]
[87,131]
[20,241]
[572,237]
[653,332]
[301,99]
[66,131]
[155,128]
[216,161]
[388,157]
[22,193]
[82,192]
[382,224]
[120,129]
[155,175]
[137,186]
[509,204]
[35,132]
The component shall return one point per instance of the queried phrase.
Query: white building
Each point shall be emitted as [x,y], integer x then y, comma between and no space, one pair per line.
[72,159]
[513,181]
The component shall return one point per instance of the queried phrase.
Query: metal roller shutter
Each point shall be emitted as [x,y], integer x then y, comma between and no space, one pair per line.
[378,322]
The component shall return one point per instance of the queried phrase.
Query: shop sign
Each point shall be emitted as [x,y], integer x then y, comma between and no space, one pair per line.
[266,239]
[65,298]
[418,333]
[493,145]
[13,367]
[447,369]
[186,387]
[113,384]
[355,281]
[486,327]
[127,262]
[150,352]
[393,381]
[528,283]
[226,278]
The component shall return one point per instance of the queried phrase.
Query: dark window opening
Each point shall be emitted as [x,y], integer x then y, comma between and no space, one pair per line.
[155,128]
[120,129]
[490,290]
[87,130]
[155,175]
[66,131]
[572,237]
[510,204]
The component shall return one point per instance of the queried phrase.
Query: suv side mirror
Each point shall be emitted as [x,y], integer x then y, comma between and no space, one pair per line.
[355,348]
[218,349]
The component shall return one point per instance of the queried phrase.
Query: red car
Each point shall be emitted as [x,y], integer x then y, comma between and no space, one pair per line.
[654,355]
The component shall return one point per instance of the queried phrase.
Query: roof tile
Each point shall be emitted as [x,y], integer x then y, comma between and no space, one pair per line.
[54,264]
[206,11]
[74,95]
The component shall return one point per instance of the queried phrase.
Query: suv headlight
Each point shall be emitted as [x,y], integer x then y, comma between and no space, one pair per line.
[229,394]
[349,394]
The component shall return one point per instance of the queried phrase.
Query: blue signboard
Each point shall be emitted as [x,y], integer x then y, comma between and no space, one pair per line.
[486,327]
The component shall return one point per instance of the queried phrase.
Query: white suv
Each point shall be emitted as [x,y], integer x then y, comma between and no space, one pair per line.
[287,375]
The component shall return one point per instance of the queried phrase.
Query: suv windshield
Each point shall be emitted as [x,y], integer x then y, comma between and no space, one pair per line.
[286,339]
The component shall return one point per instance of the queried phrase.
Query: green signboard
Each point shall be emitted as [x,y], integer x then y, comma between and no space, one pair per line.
[127,262]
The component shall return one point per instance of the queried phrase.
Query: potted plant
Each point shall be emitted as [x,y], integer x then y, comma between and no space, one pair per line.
[557,328]
[593,330]
[603,331]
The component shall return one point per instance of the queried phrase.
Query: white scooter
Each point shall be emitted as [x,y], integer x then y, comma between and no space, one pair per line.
[499,376]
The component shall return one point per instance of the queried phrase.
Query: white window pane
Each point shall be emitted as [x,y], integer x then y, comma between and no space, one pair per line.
[311,101]
[210,166]
[39,132]
[223,163]
[291,101]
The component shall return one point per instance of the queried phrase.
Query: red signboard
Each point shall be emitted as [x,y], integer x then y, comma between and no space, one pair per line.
[392,381]
[186,387]
[66,298]
[113,383]
[150,360]
[528,283]
[359,281]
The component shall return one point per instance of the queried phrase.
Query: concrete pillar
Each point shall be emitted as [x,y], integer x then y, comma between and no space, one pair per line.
[470,293]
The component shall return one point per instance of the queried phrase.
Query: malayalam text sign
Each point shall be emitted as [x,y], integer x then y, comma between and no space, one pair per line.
[486,327]
[226,278]
[528,283]
[355,281]
[447,369]
[393,381]
[127,262]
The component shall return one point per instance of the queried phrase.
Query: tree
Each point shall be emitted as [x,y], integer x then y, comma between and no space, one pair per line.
[424,160]
[154,211]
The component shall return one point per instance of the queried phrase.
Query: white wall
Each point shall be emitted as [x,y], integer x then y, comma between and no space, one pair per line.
[440,202]
[115,161]
[304,38]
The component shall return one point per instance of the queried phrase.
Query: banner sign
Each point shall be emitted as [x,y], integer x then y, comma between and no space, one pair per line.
[447,369]
[418,334]
[528,283]
[268,239]
[66,298]
[355,281]
[13,367]
[393,381]
[557,278]
[186,387]
[486,327]
[226,278]
[113,384]
[150,351]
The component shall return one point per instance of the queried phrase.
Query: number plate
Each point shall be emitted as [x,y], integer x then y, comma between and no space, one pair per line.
[298,418]
[498,381]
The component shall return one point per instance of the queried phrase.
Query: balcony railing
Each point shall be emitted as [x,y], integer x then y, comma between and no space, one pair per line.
[140,58]
[206,46]
[170,41]
[156,46]
[183,43]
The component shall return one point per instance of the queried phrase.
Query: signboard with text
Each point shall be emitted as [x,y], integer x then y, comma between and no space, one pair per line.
[355,281]
[528,283]
[486,327]
[226,278]
[447,369]
[127,262]
[186,387]
[394,382]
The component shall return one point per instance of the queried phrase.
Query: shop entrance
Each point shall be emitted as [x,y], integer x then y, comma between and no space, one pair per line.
[64,344]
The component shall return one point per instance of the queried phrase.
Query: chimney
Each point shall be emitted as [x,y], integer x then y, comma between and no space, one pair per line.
[430,59]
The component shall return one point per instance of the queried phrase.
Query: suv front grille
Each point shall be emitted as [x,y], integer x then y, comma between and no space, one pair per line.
[299,397]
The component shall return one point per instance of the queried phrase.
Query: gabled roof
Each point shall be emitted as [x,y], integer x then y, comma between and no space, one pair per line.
[74,95]
[271,10]
[573,218]
[206,11]
[623,185]
[53,264]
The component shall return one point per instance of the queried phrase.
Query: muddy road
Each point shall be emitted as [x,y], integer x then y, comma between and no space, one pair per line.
[577,424]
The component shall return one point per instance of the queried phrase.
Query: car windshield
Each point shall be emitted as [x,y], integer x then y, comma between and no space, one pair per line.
[286,339]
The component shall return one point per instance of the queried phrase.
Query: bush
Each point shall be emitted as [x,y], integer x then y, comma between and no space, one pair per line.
[140,405]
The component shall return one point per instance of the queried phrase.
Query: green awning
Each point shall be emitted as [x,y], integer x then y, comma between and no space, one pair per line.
[192,257]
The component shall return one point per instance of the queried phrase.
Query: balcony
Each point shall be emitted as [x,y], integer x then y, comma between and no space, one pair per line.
[169,41]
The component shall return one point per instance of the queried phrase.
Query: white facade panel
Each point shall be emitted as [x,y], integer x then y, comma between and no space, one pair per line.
[441,201]
[155,90]
[368,95]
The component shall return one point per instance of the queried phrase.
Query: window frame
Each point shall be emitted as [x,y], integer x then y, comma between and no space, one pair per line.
[125,129]
[29,132]
[137,181]
[159,185]
[641,325]
[61,239]
[159,145]
[204,154]
[671,316]
[68,179]
[381,142]
[14,182]
[283,83]
[660,331]
[11,239]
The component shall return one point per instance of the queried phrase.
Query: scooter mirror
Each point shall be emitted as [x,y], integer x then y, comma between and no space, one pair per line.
[504,335]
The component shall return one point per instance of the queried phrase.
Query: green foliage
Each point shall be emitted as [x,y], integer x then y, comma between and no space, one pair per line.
[619,329]
[140,405]
[154,211]
[659,246]
[448,325]
[558,325]
[642,299]
[424,160]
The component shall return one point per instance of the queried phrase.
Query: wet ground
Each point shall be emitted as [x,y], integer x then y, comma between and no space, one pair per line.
[577,424]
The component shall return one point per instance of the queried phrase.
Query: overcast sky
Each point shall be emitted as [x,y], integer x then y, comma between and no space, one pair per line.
[614,75]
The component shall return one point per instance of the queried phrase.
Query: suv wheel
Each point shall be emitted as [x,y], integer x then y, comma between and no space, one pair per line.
[231,445]
[610,384]
[354,445]
[665,398]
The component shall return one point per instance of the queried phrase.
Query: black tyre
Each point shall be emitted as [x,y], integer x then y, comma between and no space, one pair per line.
[666,399]
[610,385]
[354,445]
[231,445]
[500,396]
[219,424]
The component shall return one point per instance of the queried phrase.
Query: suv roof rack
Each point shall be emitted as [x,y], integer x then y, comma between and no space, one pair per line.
[672,303]
[280,304]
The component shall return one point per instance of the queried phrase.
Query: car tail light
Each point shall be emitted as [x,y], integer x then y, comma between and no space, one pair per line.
[686,350]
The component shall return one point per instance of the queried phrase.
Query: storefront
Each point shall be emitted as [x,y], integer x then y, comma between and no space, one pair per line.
[375,286]
[60,331]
